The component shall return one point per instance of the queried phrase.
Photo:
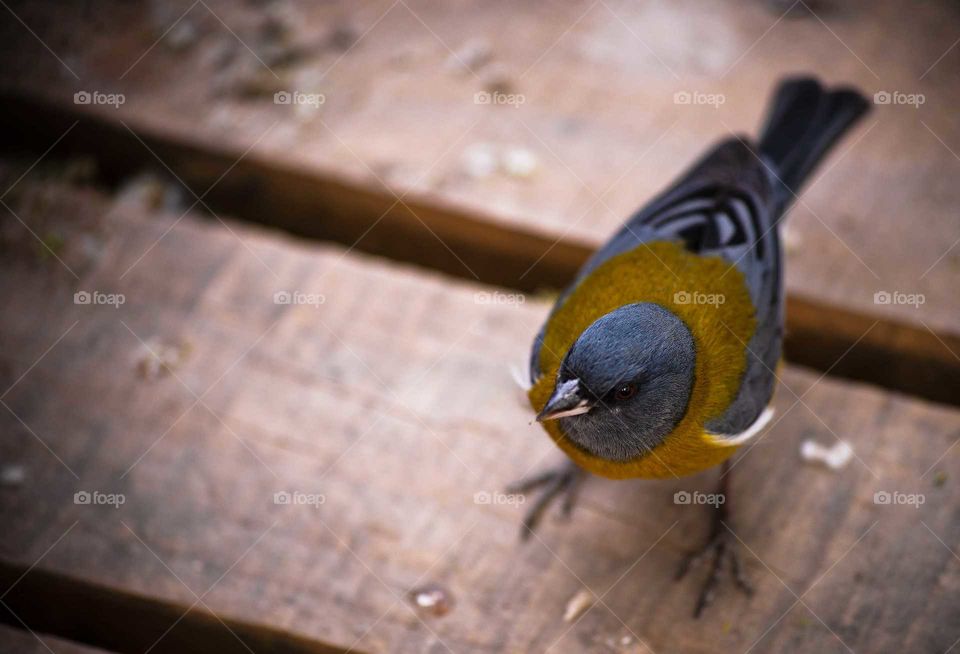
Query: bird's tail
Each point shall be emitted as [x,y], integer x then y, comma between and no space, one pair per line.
[803,123]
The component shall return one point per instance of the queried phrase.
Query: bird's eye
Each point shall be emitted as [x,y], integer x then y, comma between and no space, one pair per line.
[625,392]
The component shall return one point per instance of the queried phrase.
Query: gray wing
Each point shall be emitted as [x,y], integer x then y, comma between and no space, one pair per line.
[725,205]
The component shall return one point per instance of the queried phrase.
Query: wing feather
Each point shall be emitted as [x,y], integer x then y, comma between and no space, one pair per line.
[724,205]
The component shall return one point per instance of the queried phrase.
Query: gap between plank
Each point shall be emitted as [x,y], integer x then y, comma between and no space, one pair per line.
[324,205]
[124,622]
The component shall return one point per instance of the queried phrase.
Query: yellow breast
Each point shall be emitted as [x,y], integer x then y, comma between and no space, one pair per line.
[711,297]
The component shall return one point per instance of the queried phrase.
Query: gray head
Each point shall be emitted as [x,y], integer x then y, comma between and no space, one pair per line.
[625,383]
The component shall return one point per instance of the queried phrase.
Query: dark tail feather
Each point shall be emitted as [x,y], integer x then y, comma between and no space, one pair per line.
[805,120]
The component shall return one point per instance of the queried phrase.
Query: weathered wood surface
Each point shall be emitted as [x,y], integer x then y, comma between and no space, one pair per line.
[901,356]
[21,642]
[392,399]
[117,620]
[598,82]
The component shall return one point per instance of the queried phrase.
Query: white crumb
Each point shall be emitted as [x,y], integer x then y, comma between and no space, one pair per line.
[834,457]
[156,359]
[577,604]
[519,162]
[792,241]
[484,159]
[480,160]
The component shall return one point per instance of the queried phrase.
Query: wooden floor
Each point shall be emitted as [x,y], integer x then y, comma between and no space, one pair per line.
[380,401]
[598,116]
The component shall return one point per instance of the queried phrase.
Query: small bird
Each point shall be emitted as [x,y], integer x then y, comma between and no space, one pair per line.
[659,359]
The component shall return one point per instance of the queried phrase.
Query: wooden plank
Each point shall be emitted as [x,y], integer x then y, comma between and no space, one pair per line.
[125,622]
[901,356]
[599,116]
[23,642]
[327,200]
[392,400]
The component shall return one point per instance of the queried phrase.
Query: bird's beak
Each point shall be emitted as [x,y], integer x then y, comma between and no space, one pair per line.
[565,401]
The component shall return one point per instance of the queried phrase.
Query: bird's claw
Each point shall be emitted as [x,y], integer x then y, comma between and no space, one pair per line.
[721,545]
[564,480]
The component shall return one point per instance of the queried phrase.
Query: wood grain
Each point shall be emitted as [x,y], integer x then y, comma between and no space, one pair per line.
[392,399]
[599,115]
[902,355]
[125,622]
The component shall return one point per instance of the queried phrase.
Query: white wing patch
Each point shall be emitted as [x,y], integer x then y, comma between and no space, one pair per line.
[519,378]
[758,425]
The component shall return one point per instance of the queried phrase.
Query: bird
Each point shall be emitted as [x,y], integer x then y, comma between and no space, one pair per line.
[659,359]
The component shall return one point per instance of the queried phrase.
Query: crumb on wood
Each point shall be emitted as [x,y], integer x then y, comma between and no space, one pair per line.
[792,240]
[577,605]
[482,160]
[150,192]
[12,475]
[519,162]
[432,599]
[158,359]
[834,457]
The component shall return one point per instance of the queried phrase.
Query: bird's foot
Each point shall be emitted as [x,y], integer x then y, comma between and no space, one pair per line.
[722,545]
[564,480]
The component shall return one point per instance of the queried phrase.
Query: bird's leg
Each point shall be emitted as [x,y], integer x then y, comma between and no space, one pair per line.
[563,480]
[722,545]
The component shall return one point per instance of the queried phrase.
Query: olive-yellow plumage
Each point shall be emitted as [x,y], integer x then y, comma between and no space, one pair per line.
[656,272]
[660,359]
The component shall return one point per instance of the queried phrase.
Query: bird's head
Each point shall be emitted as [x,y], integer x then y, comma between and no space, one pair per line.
[625,383]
